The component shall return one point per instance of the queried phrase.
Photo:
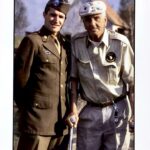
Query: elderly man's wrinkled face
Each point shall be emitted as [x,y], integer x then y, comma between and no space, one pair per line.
[54,20]
[95,25]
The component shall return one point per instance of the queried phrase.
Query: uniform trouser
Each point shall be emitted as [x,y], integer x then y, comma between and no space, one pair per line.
[97,129]
[37,142]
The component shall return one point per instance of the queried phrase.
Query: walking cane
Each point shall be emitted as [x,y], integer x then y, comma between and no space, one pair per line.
[72,119]
[70,139]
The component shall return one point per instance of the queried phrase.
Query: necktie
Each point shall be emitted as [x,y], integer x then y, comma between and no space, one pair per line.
[57,44]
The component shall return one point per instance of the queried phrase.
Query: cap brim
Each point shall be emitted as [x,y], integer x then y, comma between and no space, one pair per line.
[89,14]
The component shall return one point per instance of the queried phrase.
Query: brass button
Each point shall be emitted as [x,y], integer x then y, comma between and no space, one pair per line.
[61,85]
[45,38]
[36,104]
[47,60]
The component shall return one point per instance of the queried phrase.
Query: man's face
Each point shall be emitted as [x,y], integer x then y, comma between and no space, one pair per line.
[95,25]
[54,20]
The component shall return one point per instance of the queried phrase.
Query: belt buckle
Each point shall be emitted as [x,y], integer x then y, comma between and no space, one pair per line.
[106,103]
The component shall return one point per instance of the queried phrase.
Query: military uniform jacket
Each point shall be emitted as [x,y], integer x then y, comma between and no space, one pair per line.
[40,77]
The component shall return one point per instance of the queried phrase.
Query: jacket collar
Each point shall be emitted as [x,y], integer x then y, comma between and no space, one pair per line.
[44,31]
[48,40]
[105,39]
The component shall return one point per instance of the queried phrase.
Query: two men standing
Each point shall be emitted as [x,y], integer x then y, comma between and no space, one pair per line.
[101,65]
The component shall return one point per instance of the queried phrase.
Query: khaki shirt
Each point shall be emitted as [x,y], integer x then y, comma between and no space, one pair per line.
[103,70]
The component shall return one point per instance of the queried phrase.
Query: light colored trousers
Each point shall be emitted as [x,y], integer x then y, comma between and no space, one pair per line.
[97,129]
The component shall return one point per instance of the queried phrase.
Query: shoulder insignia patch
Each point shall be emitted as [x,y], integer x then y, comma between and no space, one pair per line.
[110,57]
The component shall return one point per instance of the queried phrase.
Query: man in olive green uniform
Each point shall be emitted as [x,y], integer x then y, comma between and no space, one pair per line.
[40,81]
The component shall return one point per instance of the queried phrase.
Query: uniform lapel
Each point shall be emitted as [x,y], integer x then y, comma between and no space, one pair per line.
[63,52]
[50,45]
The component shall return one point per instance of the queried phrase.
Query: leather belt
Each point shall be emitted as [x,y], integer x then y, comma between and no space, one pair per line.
[108,103]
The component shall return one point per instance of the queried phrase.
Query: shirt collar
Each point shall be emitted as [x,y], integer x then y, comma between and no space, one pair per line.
[105,39]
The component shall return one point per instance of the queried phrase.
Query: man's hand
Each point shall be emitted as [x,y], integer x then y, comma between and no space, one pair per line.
[72,119]
[131,124]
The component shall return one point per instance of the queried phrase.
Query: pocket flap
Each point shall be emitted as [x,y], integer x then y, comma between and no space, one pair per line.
[41,102]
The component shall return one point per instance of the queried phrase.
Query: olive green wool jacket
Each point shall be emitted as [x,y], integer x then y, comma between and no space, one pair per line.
[40,81]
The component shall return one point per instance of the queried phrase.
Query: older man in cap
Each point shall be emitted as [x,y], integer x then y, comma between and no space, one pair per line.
[40,79]
[102,66]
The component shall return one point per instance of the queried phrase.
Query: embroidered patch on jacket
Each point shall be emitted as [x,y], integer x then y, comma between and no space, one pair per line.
[47,52]
[110,57]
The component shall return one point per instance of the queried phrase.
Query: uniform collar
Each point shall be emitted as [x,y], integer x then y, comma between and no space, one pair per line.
[44,31]
[105,39]
[48,40]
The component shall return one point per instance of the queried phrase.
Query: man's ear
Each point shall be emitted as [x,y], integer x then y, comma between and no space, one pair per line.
[106,21]
[44,14]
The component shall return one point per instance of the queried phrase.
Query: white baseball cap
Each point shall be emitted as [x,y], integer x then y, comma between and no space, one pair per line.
[92,7]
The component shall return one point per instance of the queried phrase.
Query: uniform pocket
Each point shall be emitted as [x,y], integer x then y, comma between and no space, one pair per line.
[84,68]
[46,56]
[41,102]
[46,63]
